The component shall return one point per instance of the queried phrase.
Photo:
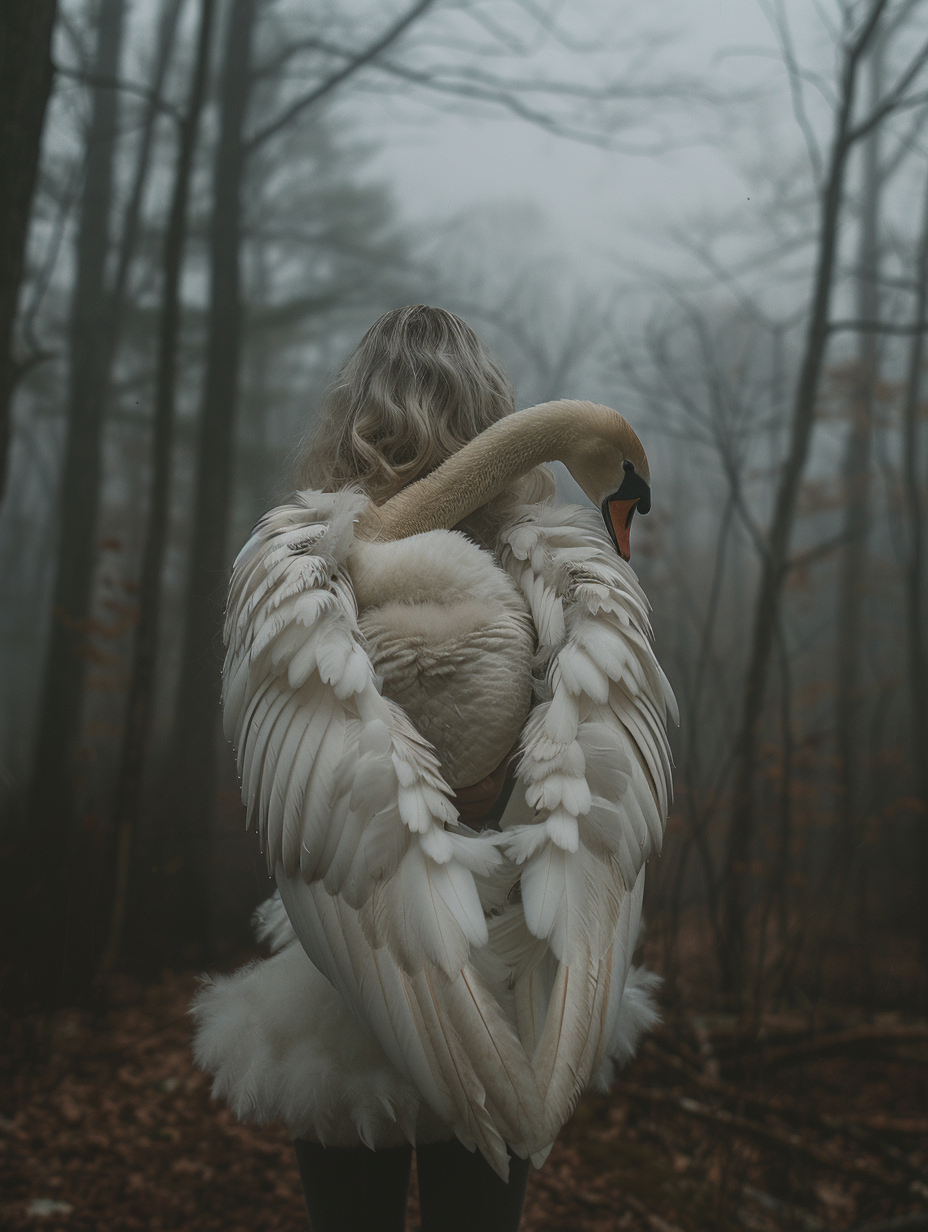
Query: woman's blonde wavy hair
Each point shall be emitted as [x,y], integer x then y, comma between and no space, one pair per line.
[419,385]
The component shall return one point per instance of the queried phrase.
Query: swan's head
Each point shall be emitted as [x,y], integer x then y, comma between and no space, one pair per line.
[612,468]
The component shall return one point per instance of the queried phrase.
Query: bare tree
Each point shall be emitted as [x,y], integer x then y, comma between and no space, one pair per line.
[915,571]
[140,702]
[188,830]
[25,84]
[131,220]
[50,804]
[710,381]
[857,481]
[859,32]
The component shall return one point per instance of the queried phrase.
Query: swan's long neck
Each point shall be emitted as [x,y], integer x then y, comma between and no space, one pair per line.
[510,448]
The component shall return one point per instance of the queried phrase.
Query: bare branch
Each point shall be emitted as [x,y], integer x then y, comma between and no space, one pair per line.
[116,83]
[272,66]
[801,560]
[878,327]
[895,99]
[905,146]
[776,15]
[325,87]
[857,48]
[484,89]
[43,279]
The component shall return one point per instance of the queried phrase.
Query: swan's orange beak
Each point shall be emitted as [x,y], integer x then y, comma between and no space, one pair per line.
[619,524]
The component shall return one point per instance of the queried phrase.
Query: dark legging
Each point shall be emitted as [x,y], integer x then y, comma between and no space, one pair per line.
[357,1190]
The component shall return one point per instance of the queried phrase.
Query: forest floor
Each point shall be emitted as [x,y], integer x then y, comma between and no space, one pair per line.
[105,1124]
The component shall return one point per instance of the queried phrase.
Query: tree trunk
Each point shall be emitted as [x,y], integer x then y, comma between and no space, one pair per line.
[25,84]
[140,703]
[80,483]
[52,784]
[128,240]
[915,571]
[186,841]
[851,655]
[732,957]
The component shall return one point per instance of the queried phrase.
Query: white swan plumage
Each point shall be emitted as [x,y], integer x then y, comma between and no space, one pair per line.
[426,979]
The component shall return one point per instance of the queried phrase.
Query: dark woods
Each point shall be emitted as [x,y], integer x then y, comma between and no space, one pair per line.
[207,240]
[111,807]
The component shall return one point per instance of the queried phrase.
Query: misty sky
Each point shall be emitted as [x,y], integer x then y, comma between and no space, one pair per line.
[600,202]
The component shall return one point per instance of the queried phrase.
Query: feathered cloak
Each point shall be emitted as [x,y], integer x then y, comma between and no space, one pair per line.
[426,980]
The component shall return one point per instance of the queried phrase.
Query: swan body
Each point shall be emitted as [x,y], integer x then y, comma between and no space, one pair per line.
[429,980]
[450,635]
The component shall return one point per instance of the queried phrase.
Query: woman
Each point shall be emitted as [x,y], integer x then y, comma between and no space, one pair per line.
[414,1006]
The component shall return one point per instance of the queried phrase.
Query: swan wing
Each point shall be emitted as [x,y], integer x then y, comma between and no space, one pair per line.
[352,812]
[596,770]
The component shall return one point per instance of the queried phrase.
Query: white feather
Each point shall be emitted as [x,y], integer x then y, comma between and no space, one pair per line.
[473,983]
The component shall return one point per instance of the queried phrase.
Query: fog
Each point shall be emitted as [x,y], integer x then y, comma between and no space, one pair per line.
[707,215]
[600,202]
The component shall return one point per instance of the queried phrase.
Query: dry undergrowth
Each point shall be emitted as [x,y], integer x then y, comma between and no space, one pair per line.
[105,1125]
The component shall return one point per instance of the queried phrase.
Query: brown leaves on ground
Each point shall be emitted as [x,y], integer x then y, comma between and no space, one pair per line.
[106,1125]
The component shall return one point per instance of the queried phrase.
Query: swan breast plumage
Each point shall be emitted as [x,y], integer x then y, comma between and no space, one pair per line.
[450,636]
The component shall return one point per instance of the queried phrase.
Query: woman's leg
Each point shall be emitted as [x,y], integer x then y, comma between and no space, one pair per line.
[460,1192]
[354,1189]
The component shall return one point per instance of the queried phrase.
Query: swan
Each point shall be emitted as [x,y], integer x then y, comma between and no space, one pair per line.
[427,979]
[447,629]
